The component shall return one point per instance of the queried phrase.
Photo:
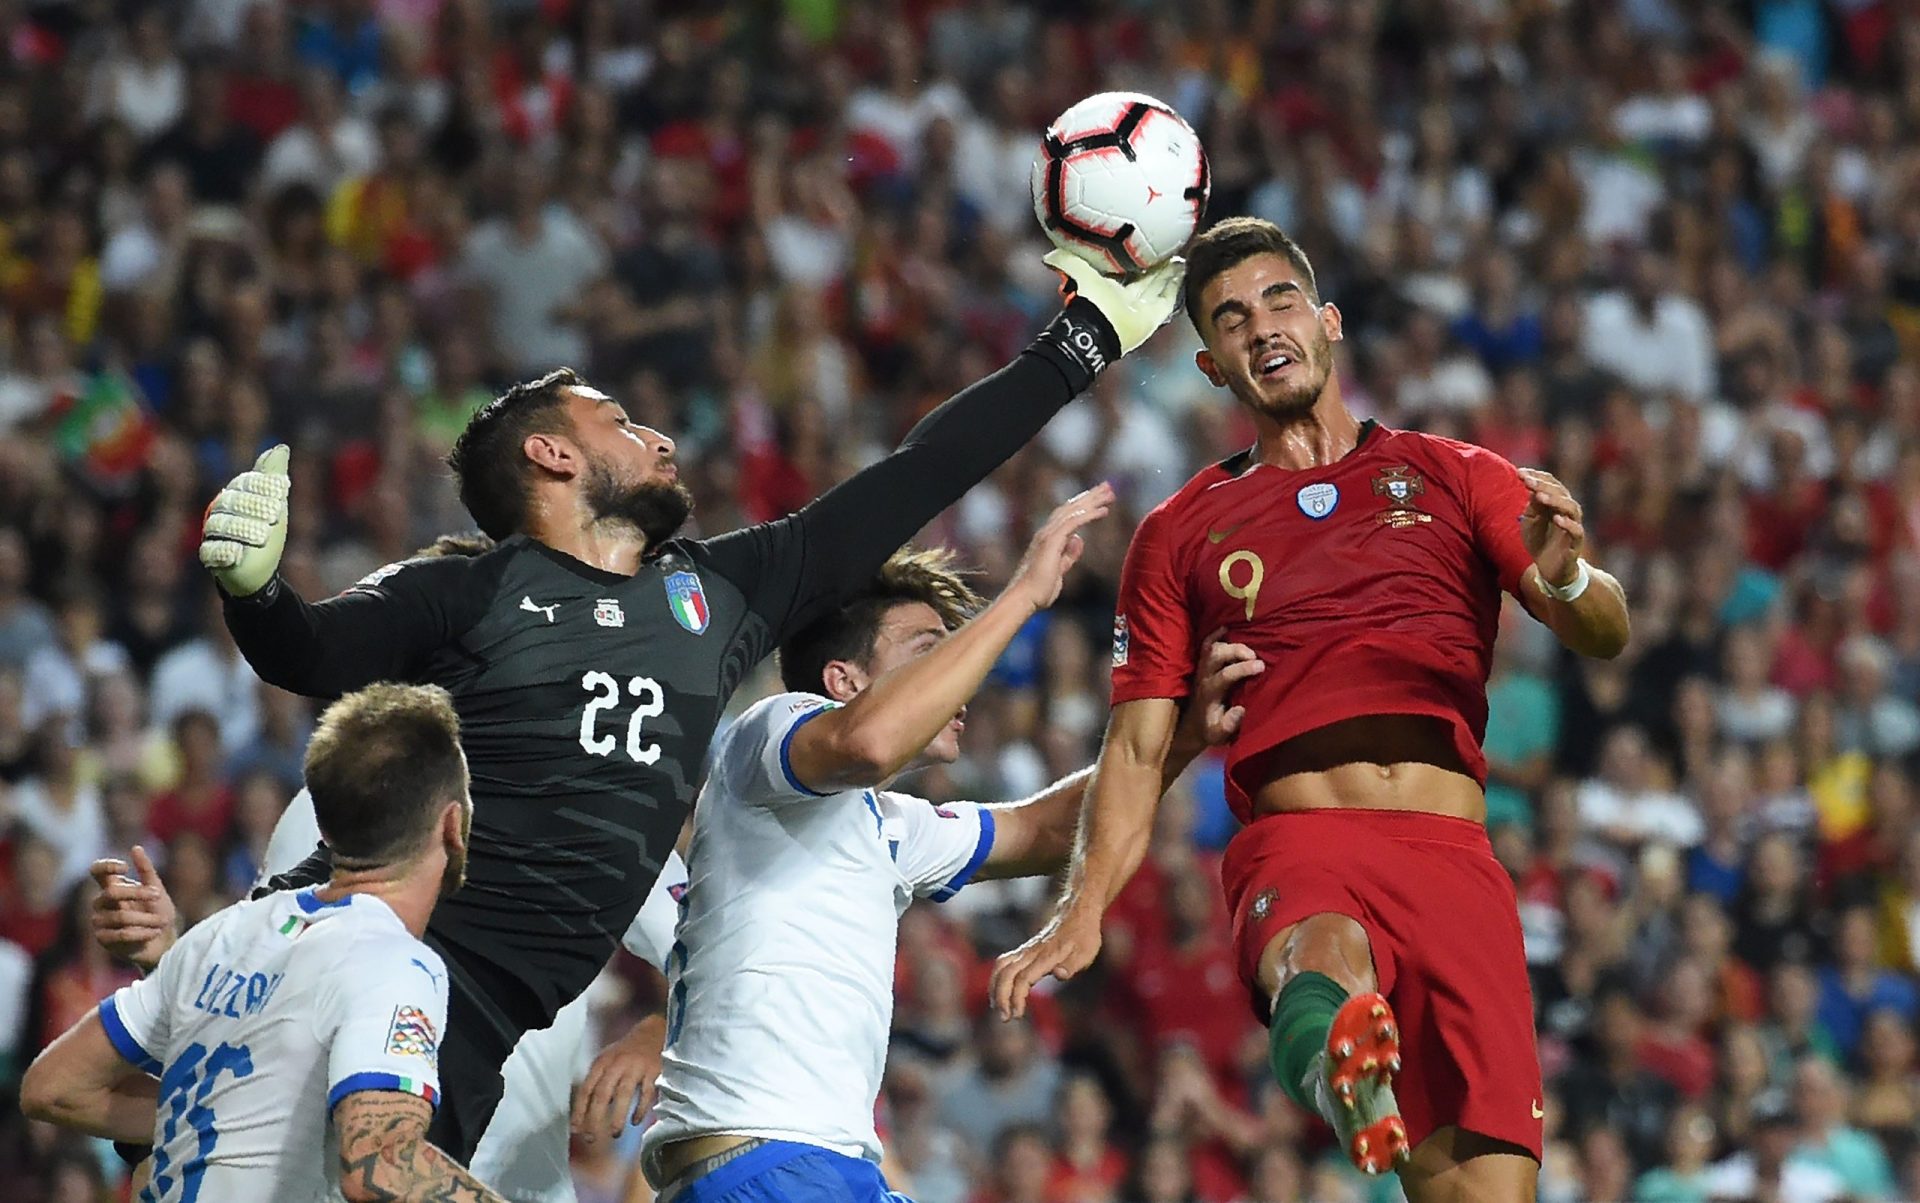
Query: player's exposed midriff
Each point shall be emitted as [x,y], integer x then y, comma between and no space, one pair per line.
[1373,762]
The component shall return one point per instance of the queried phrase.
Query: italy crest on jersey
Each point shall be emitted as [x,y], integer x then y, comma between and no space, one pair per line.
[687,600]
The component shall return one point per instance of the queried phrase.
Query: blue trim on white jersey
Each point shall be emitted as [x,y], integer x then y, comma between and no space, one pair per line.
[786,748]
[980,851]
[309,903]
[131,1051]
[355,1083]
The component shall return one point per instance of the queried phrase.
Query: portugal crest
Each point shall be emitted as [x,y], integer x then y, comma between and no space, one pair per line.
[688,601]
[1400,485]
[1263,904]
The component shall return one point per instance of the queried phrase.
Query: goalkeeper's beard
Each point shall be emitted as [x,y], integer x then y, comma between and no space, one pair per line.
[657,511]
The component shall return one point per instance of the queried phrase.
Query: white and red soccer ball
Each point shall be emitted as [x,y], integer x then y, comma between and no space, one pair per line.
[1121,181]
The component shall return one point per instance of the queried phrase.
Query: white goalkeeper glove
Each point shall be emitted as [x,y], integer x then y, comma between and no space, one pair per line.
[246,527]
[1134,307]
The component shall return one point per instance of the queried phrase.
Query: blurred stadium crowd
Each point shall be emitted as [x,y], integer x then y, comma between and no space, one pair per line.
[1668,249]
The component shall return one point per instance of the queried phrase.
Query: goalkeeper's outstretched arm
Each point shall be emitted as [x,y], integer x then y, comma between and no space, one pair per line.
[800,567]
[377,631]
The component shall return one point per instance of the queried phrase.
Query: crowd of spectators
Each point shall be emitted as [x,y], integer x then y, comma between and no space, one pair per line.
[1667,249]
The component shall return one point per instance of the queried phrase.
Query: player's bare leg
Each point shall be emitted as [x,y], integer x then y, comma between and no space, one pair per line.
[1335,1044]
[1457,1166]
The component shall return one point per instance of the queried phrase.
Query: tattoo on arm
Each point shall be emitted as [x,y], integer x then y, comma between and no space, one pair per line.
[385,1156]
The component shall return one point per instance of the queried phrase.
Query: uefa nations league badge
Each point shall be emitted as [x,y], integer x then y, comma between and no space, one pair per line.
[1317,501]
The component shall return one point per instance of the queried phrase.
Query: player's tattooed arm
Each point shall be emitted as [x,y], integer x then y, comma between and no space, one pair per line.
[385,1156]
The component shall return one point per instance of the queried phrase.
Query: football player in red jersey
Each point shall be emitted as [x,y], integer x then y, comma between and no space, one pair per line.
[1363,567]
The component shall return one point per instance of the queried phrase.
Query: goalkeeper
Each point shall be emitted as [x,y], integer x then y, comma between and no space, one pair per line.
[590,654]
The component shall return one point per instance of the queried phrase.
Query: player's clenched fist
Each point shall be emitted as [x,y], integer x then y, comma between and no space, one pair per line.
[246,527]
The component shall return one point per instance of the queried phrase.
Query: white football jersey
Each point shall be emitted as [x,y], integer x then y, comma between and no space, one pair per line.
[523,1153]
[781,974]
[261,1019]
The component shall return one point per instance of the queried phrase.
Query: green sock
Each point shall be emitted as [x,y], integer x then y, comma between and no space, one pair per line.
[1302,1015]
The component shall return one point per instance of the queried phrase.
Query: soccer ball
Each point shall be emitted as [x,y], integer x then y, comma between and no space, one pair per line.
[1120,181]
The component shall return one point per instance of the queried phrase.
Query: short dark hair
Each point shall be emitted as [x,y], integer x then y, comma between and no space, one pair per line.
[465,543]
[381,764]
[1232,241]
[909,575]
[487,456]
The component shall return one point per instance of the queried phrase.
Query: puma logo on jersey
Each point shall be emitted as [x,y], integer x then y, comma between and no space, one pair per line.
[526,603]
[1219,536]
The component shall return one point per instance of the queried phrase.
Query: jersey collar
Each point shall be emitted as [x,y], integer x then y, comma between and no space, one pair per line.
[580,568]
[1239,462]
[309,901]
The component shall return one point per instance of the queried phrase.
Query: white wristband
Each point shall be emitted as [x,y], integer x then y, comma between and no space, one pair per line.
[1568,592]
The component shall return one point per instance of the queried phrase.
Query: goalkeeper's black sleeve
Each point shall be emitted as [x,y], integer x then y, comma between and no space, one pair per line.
[382,629]
[798,568]
[313,871]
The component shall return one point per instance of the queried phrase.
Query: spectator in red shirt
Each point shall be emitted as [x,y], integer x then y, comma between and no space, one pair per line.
[1089,1167]
[1214,1134]
[932,1017]
[1021,1160]
[260,92]
[202,802]
[1137,921]
[74,974]
[1276,1176]
[1186,990]
[1673,1046]
[1165,1175]
[31,916]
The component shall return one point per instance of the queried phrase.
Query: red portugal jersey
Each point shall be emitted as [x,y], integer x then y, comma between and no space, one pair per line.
[1368,586]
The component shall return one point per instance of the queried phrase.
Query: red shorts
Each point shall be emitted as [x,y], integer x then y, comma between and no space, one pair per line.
[1444,925]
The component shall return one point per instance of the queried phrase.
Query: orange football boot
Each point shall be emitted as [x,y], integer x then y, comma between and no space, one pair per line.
[1363,1054]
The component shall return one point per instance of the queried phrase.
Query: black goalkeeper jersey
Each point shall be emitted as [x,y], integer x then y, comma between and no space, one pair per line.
[587,699]
[586,702]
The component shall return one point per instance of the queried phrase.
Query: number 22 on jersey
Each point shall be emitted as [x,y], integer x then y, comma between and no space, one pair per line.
[650,702]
